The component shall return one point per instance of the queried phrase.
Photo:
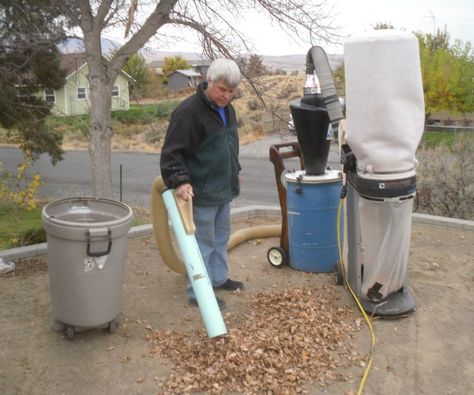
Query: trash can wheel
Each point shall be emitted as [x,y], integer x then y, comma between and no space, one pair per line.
[277,256]
[112,327]
[70,332]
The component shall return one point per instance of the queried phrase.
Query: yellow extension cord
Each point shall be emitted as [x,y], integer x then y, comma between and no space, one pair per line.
[359,305]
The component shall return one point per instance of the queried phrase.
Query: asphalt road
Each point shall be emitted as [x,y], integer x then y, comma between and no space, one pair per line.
[72,176]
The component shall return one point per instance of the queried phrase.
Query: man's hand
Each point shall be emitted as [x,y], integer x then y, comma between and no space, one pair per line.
[184,191]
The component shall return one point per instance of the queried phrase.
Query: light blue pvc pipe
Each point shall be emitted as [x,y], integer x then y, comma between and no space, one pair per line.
[197,273]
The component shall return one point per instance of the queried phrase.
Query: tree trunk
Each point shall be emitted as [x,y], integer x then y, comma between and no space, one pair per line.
[94,17]
[102,77]
[101,132]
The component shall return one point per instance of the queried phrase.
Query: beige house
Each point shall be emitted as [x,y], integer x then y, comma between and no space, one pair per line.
[73,97]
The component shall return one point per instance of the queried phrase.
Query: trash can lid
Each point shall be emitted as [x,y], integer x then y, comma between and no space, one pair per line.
[300,175]
[84,211]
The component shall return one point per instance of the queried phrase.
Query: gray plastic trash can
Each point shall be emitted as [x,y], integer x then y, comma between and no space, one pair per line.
[87,242]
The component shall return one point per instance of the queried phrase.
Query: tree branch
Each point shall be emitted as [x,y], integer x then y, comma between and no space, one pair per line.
[158,18]
[102,12]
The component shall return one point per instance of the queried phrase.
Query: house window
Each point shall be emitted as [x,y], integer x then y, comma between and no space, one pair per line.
[49,95]
[115,91]
[81,94]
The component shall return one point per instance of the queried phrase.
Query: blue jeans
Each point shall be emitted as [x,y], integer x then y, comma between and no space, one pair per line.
[212,234]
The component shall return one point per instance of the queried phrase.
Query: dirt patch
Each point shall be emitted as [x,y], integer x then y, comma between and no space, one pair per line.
[427,352]
[28,267]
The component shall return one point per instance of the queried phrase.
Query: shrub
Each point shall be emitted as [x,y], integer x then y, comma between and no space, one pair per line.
[154,89]
[446,180]
[256,118]
[18,205]
[29,237]
[19,226]
[432,139]
[73,123]
[288,92]
[250,132]
[19,190]
[252,104]
[164,109]
[125,130]
[155,132]
[137,114]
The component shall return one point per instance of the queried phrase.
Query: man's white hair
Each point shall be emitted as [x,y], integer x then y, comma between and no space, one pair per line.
[225,70]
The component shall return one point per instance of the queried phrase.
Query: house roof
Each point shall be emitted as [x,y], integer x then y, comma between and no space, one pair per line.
[73,62]
[187,73]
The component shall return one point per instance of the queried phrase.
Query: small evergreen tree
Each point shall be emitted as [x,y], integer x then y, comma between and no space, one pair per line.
[29,61]
[255,67]
[137,69]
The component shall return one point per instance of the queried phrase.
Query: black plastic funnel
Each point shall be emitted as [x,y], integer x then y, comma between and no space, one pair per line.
[314,135]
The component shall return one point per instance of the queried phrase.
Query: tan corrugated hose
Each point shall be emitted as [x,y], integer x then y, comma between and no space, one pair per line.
[163,236]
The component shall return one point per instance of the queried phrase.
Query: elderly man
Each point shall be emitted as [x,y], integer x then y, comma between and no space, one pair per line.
[200,160]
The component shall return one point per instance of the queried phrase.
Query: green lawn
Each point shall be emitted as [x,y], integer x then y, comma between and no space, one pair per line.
[145,113]
[138,114]
[20,227]
[432,139]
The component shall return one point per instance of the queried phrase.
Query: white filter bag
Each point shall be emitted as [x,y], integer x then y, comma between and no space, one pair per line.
[384,100]
[385,231]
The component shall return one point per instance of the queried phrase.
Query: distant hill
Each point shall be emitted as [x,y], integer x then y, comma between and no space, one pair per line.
[297,62]
[289,63]
[76,45]
[155,55]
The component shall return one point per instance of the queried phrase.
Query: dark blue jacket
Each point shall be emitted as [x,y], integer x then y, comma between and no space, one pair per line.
[199,149]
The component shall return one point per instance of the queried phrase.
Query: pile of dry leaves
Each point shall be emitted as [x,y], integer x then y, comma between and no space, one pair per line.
[289,339]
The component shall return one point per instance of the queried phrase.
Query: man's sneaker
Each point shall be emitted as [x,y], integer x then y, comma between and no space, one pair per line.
[220,302]
[231,285]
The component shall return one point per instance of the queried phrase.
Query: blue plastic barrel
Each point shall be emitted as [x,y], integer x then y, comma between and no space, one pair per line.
[312,203]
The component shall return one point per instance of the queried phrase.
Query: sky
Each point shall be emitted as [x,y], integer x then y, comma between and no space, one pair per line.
[355,16]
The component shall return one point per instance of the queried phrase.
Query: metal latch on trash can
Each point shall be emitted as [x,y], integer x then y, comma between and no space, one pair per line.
[92,234]
[298,184]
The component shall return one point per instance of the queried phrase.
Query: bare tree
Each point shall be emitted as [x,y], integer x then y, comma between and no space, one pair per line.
[215,22]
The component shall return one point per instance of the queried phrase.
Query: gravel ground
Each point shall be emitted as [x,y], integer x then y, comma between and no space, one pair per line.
[427,352]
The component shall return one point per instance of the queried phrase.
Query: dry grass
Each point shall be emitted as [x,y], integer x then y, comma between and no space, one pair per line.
[269,113]
[257,116]
[446,180]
